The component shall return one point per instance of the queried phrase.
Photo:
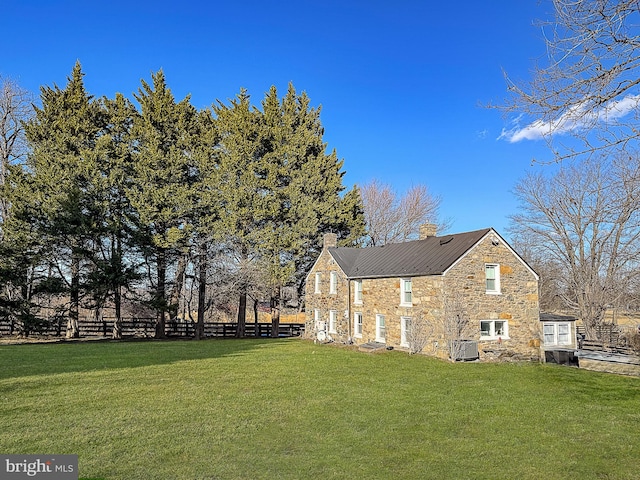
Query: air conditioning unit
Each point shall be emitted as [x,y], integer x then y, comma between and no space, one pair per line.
[466,350]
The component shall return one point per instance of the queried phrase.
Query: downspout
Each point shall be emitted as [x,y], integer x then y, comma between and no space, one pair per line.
[350,338]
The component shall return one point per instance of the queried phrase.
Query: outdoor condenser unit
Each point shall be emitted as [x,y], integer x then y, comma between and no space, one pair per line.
[468,350]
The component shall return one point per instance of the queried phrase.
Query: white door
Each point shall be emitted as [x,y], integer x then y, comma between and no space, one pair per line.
[380,329]
[405,326]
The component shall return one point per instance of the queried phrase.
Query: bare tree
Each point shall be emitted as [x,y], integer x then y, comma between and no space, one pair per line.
[455,323]
[15,108]
[393,219]
[549,270]
[588,86]
[419,332]
[586,219]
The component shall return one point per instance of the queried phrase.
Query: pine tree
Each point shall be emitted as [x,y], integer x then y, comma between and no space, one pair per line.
[308,186]
[205,217]
[115,260]
[244,198]
[160,191]
[63,136]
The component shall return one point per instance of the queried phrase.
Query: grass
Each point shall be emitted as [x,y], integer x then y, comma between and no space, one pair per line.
[227,409]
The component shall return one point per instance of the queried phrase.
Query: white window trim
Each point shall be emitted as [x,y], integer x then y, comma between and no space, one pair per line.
[356,290]
[403,282]
[404,331]
[357,315]
[333,282]
[496,269]
[318,280]
[333,321]
[492,329]
[556,334]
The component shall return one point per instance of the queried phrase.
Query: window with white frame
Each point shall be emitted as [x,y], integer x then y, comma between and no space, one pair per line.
[333,321]
[406,292]
[357,292]
[333,282]
[494,329]
[318,280]
[557,333]
[357,324]
[492,277]
[405,331]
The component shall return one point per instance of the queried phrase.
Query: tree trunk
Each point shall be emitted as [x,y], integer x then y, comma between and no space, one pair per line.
[117,289]
[276,308]
[242,312]
[174,297]
[73,330]
[117,323]
[255,318]
[160,294]
[202,292]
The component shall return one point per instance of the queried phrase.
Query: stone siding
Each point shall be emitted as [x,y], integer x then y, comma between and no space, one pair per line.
[325,301]
[517,303]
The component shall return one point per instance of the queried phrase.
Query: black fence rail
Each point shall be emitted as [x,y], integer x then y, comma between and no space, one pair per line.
[146,327]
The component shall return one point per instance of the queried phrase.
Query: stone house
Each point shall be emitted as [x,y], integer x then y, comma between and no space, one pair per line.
[385,295]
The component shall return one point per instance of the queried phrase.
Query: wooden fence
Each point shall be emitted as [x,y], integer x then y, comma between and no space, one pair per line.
[146,327]
[611,339]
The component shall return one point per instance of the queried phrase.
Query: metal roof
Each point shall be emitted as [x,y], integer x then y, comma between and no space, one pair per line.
[431,256]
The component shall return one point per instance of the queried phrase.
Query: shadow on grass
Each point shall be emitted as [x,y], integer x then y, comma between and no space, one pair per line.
[24,360]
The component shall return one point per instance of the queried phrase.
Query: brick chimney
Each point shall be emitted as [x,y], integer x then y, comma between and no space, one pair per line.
[329,240]
[428,230]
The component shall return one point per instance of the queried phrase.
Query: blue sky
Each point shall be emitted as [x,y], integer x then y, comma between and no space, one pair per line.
[401,84]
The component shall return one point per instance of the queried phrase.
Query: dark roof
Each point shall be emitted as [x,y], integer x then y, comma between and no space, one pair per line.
[431,256]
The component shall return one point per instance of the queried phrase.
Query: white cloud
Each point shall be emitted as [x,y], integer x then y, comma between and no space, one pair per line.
[573,119]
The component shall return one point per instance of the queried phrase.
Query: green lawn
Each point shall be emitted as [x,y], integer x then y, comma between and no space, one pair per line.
[249,409]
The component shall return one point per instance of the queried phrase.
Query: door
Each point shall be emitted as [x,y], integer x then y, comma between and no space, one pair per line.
[405,327]
[380,329]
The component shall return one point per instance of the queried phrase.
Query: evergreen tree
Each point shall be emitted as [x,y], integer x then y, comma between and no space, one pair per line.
[244,197]
[205,217]
[160,190]
[116,256]
[308,186]
[62,137]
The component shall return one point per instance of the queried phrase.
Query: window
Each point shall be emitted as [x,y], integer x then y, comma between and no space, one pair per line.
[357,325]
[406,295]
[357,294]
[405,331]
[557,333]
[318,278]
[494,329]
[333,316]
[333,282]
[380,329]
[492,276]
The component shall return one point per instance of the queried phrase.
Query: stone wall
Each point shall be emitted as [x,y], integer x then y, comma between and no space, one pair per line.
[325,301]
[620,364]
[517,302]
